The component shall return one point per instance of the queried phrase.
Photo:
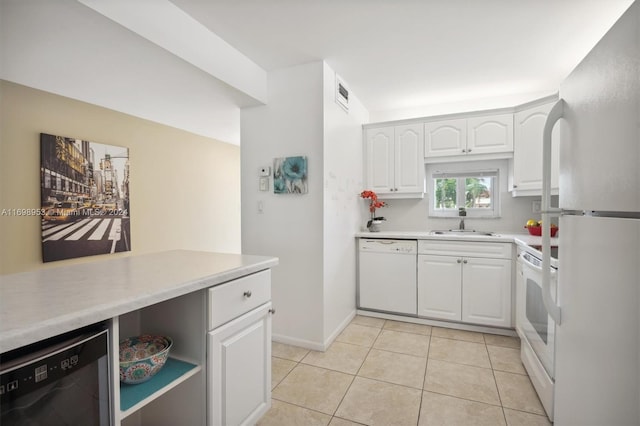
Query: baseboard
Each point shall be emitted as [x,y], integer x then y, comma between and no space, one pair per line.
[302,343]
[316,346]
[339,329]
[445,324]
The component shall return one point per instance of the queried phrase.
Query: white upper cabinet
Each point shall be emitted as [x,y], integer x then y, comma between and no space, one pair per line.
[527,155]
[379,150]
[409,163]
[394,161]
[445,138]
[491,136]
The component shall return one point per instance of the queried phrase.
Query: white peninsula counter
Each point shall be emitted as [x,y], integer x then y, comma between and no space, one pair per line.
[174,293]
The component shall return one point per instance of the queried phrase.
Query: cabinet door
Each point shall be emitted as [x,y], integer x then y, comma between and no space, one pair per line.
[527,151]
[239,369]
[409,159]
[445,138]
[439,287]
[379,163]
[486,291]
[490,134]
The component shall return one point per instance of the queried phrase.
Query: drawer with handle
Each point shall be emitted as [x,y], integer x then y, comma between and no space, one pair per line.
[230,300]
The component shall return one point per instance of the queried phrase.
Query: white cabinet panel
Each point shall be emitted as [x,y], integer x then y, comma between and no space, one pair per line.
[445,138]
[490,134]
[486,291]
[527,153]
[465,248]
[239,369]
[439,289]
[394,160]
[465,281]
[230,300]
[409,163]
[379,151]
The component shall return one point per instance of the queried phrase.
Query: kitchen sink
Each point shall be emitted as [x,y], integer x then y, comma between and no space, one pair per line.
[464,233]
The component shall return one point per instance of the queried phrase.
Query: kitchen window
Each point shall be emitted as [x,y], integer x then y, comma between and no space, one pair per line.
[476,191]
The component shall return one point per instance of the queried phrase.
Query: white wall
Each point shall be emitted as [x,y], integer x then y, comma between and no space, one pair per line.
[343,182]
[290,226]
[313,234]
[463,105]
[184,187]
[63,47]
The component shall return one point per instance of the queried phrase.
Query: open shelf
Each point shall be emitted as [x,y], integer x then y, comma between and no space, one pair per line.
[174,372]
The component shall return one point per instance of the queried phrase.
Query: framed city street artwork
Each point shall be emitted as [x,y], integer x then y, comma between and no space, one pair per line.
[84,194]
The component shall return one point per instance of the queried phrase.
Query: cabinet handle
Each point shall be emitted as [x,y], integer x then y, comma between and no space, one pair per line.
[468,150]
[247,294]
[272,311]
[459,261]
[464,261]
[464,150]
[515,186]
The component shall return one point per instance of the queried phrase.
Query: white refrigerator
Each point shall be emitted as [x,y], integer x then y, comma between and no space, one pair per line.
[597,310]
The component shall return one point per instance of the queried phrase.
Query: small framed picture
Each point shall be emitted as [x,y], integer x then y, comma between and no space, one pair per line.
[290,175]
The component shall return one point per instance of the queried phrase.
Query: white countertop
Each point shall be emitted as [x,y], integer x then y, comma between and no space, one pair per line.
[523,240]
[43,303]
[426,235]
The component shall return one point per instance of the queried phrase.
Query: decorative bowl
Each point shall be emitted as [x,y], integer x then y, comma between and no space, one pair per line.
[141,357]
[537,230]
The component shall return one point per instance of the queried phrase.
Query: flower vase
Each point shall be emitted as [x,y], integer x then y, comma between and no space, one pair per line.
[375,226]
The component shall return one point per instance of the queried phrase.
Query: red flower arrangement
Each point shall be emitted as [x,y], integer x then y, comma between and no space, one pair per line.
[374,204]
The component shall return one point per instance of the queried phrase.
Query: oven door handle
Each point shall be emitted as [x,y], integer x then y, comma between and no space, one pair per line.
[548,212]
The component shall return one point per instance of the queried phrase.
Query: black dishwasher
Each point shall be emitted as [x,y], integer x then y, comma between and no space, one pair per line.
[63,380]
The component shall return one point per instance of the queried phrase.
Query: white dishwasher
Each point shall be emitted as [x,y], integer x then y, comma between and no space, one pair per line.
[387,278]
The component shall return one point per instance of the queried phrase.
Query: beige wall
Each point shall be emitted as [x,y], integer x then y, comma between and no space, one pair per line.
[185,188]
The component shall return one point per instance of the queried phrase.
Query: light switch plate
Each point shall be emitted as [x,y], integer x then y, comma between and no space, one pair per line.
[264,184]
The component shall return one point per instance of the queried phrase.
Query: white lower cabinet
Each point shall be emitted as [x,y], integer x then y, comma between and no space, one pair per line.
[439,289]
[239,351]
[220,362]
[469,287]
[486,291]
[239,370]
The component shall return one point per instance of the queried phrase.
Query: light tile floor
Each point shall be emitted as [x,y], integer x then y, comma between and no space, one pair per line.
[383,372]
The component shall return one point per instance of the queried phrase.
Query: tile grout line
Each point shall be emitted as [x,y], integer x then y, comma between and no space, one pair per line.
[356,374]
[424,378]
[495,380]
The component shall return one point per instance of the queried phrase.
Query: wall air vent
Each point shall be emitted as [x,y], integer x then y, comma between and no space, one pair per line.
[342,94]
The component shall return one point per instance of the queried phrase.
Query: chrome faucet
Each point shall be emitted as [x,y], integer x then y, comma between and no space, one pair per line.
[462,212]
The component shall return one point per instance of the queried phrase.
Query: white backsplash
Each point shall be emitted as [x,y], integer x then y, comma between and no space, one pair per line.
[412,215]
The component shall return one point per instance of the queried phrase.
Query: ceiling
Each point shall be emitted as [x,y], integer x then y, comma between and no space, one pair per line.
[403,54]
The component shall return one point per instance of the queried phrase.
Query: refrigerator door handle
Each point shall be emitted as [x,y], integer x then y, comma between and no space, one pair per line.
[548,212]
